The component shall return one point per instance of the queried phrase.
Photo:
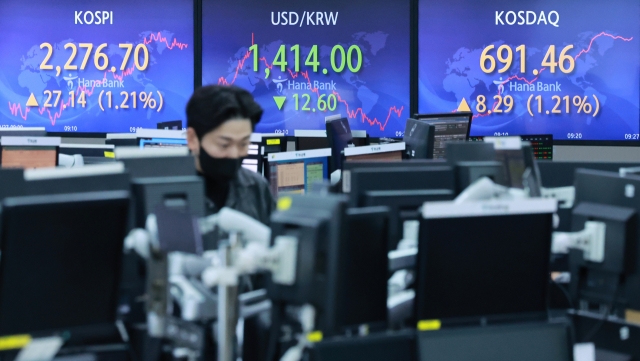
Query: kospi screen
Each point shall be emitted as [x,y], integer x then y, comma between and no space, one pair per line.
[567,68]
[305,60]
[95,66]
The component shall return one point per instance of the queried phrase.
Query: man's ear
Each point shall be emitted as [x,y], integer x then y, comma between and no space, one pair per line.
[192,141]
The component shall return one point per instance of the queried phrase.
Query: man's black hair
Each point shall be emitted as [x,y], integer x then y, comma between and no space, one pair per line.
[212,105]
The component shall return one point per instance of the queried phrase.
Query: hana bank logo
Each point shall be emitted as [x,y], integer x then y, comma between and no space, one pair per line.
[500,84]
[279,83]
[69,79]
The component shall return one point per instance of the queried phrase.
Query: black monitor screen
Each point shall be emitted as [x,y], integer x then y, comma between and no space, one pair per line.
[339,135]
[514,164]
[472,266]
[523,342]
[360,181]
[362,282]
[419,137]
[341,128]
[310,143]
[448,128]
[609,188]
[60,275]
[160,167]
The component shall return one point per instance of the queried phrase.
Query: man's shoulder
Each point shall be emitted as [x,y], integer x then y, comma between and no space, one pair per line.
[248,178]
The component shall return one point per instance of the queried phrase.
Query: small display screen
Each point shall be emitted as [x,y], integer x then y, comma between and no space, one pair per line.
[29,157]
[297,176]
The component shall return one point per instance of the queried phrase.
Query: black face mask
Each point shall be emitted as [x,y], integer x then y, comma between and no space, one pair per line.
[219,168]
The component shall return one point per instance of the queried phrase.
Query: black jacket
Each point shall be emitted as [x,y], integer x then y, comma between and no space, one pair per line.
[249,193]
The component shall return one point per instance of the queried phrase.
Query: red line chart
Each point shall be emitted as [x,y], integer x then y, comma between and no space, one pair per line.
[16,108]
[582,52]
[161,39]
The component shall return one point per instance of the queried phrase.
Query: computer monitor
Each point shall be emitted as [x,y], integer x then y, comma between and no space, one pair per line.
[469,172]
[317,139]
[523,342]
[171,125]
[122,139]
[376,153]
[319,224]
[185,193]
[382,346]
[90,178]
[162,143]
[29,152]
[404,205]
[272,143]
[516,156]
[470,152]
[419,139]
[348,167]
[295,172]
[484,261]
[449,127]
[562,173]
[12,181]
[340,137]
[514,164]
[158,165]
[342,261]
[359,181]
[61,261]
[542,144]
[609,188]
[158,175]
[362,272]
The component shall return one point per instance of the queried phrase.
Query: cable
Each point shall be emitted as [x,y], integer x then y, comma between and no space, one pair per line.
[276,321]
[565,292]
[600,323]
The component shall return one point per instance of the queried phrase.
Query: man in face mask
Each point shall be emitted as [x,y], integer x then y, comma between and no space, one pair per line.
[220,121]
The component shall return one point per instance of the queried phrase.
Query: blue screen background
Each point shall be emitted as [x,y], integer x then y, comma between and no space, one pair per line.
[375,99]
[167,27]
[454,33]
